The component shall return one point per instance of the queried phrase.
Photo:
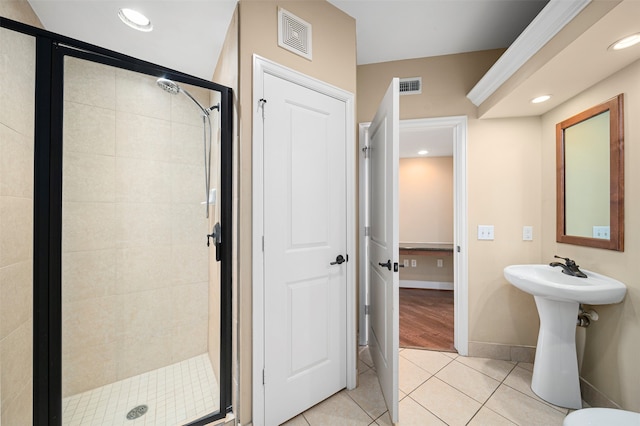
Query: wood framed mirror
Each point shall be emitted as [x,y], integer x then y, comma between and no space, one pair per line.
[590,177]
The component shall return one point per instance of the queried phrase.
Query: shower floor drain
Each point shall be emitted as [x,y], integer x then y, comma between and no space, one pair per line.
[137,412]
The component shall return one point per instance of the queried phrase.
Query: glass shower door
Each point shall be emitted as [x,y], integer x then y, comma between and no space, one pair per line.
[140,286]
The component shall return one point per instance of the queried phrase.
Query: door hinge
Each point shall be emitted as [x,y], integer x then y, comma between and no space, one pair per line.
[367,231]
[263,381]
[366,151]
[261,103]
[366,309]
[458,249]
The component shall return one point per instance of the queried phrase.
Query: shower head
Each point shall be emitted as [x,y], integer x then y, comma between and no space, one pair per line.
[172,87]
[168,86]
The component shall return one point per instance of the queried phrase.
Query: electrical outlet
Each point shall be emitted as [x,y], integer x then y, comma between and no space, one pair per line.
[414,263]
[485,232]
[439,263]
[405,263]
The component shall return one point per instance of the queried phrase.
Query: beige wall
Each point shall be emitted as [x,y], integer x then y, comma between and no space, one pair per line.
[503,167]
[613,342]
[425,198]
[427,268]
[334,62]
[446,80]
[134,272]
[17,85]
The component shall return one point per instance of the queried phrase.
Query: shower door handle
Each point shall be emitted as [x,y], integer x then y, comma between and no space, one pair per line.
[216,235]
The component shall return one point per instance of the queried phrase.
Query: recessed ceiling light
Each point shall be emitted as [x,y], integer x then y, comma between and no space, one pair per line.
[626,42]
[423,152]
[135,20]
[540,99]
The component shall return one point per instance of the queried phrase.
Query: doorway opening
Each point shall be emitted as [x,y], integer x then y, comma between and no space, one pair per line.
[433,239]
[426,216]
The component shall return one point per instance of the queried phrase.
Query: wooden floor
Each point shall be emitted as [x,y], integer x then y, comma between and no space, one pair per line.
[426,319]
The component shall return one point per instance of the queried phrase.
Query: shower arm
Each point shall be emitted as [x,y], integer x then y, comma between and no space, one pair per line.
[205,111]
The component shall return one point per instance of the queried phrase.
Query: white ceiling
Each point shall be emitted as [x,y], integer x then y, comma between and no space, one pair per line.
[574,60]
[390,30]
[188,34]
[437,140]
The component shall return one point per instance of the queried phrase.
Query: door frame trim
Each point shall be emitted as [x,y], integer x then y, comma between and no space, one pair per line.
[460,232]
[262,66]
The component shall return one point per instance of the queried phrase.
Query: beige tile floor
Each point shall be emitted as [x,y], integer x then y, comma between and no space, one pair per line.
[440,388]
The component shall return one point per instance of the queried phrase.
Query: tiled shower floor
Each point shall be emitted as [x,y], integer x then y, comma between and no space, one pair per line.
[174,395]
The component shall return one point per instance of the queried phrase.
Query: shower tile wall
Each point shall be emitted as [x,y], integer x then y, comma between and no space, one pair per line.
[135,274]
[17,73]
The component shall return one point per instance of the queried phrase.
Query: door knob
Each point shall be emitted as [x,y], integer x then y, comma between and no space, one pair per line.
[386,265]
[339,260]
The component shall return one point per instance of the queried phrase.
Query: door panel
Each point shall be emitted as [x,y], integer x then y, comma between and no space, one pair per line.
[309,304]
[309,168]
[384,321]
[304,230]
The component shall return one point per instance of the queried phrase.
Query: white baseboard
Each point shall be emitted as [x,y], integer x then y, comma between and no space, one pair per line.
[429,285]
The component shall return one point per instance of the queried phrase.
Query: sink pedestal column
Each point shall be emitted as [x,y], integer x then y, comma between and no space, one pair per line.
[555,370]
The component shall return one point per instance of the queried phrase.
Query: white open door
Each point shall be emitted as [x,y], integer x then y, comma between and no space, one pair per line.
[384,254]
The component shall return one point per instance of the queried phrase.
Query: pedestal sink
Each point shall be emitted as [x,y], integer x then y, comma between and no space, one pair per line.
[558,297]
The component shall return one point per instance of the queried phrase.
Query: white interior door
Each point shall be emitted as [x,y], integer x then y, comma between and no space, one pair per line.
[383,246]
[305,226]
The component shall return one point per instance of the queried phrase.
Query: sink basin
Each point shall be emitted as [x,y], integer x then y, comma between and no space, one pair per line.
[558,297]
[549,282]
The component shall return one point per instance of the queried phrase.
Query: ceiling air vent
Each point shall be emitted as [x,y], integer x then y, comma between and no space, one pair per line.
[411,86]
[294,34]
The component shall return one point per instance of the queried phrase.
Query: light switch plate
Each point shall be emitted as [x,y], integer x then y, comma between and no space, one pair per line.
[527,233]
[485,232]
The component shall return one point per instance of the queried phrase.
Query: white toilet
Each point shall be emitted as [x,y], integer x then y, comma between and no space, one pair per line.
[602,417]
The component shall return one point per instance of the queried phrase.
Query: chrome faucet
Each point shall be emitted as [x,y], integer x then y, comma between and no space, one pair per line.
[570,268]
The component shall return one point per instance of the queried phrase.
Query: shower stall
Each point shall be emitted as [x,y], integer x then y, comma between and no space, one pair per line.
[131,318]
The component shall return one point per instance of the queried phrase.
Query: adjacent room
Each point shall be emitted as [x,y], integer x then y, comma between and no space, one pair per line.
[425,194]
